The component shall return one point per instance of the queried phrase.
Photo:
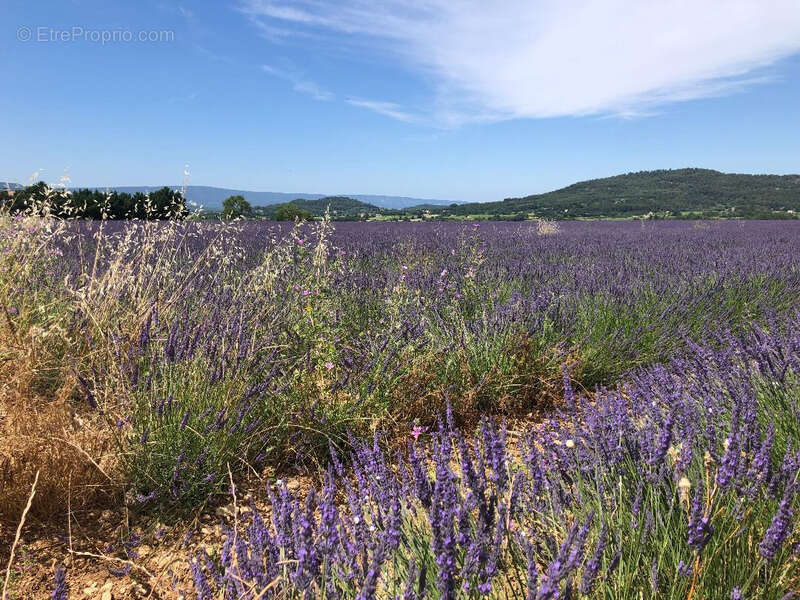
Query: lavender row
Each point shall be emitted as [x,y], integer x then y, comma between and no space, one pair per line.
[250,344]
[278,342]
[681,483]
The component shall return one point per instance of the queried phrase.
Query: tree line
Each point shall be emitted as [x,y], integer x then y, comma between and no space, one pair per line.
[161,204]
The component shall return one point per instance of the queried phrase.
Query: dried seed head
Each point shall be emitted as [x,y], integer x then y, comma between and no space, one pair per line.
[684,485]
[673,452]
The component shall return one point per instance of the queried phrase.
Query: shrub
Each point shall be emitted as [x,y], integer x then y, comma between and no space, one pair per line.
[292,212]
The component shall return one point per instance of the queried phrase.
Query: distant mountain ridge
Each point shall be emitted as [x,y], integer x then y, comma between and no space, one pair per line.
[210,198]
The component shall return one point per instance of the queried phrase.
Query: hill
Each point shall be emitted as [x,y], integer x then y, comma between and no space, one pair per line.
[341,208]
[677,193]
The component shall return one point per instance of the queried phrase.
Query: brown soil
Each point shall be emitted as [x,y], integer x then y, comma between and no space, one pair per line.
[118,555]
[79,519]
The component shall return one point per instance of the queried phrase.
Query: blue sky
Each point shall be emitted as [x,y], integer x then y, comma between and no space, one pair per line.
[454,99]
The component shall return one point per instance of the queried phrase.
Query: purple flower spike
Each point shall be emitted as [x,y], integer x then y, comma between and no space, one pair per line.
[60,587]
[780,528]
[700,528]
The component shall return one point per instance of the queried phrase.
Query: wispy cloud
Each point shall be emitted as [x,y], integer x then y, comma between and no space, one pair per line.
[520,58]
[188,97]
[387,109]
[313,90]
[186,13]
[299,83]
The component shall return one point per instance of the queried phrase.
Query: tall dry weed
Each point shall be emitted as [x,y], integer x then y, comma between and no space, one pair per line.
[59,396]
[545,227]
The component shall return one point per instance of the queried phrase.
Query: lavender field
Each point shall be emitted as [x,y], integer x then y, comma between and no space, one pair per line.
[506,410]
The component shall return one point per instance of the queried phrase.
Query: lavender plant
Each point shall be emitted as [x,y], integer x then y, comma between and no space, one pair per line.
[669,486]
[204,346]
[60,587]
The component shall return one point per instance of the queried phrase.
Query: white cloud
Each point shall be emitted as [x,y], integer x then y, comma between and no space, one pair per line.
[387,109]
[496,59]
[300,84]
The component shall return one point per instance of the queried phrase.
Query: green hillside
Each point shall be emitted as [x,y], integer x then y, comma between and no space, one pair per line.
[679,193]
[341,208]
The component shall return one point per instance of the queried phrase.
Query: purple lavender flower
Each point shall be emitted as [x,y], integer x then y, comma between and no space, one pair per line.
[612,566]
[578,548]
[201,585]
[700,528]
[121,572]
[592,567]
[532,571]
[442,516]
[60,587]
[759,471]
[685,569]
[373,573]
[730,461]
[306,550]
[664,441]
[569,394]
[654,576]
[569,556]
[780,528]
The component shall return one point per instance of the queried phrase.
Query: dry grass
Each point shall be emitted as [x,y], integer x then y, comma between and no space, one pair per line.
[21,524]
[545,227]
[530,381]
[46,423]
[46,427]
[71,451]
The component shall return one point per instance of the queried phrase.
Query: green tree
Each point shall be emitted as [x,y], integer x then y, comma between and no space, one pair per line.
[234,207]
[290,212]
[166,203]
